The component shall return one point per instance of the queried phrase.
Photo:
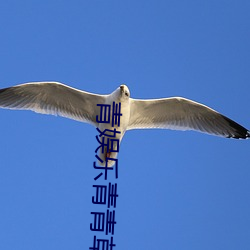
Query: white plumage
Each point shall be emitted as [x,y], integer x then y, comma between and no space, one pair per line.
[167,113]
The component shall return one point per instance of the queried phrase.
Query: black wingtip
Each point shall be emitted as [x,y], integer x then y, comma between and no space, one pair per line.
[239,131]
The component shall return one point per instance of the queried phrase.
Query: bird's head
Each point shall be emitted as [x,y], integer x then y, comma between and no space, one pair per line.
[121,93]
[124,91]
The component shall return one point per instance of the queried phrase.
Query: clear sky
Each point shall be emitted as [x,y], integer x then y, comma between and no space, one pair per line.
[177,190]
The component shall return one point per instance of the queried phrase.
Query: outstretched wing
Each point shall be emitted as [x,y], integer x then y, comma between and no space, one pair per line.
[52,98]
[182,114]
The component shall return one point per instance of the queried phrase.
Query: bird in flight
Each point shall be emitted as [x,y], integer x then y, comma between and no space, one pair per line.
[175,113]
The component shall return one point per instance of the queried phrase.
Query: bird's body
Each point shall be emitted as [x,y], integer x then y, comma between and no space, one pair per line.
[115,97]
[167,113]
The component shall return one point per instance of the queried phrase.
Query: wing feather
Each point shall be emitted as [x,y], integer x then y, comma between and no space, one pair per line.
[182,114]
[52,98]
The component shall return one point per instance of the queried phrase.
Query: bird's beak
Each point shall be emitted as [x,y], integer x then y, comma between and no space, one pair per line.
[122,88]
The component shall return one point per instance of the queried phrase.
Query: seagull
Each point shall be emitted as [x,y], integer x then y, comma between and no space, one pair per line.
[176,113]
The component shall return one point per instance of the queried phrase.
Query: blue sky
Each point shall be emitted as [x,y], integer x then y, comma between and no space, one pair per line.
[177,190]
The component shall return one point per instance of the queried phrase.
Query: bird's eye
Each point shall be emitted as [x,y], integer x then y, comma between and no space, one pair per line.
[126,93]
